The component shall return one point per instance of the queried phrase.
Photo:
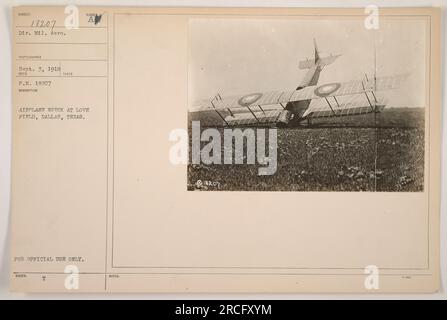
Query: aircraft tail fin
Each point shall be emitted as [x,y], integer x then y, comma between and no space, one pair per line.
[317,54]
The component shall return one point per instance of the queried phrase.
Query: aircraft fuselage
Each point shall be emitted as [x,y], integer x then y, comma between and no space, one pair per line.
[297,108]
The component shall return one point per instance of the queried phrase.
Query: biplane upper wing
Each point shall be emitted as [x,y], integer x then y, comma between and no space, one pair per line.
[307,93]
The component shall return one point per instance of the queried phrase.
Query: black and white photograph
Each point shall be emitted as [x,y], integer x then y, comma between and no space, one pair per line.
[307,104]
[243,152]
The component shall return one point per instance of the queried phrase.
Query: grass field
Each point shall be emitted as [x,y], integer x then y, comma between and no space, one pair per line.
[388,156]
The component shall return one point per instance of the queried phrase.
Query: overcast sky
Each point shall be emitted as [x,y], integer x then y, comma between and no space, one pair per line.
[241,56]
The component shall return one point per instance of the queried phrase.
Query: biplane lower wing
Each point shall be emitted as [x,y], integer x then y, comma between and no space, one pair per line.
[255,118]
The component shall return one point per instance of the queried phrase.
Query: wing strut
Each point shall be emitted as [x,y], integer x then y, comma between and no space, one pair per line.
[375,99]
[218,112]
[367,98]
[329,104]
[253,113]
[372,91]
[336,101]
[280,103]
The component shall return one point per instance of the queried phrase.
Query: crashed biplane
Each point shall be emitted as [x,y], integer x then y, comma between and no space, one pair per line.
[296,107]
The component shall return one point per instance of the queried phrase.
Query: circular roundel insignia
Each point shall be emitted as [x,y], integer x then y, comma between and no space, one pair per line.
[249,99]
[327,89]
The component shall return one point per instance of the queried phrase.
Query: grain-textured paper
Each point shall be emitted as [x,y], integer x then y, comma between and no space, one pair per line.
[98,204]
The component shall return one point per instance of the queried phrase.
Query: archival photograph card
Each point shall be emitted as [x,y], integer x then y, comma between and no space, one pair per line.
[225,150]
